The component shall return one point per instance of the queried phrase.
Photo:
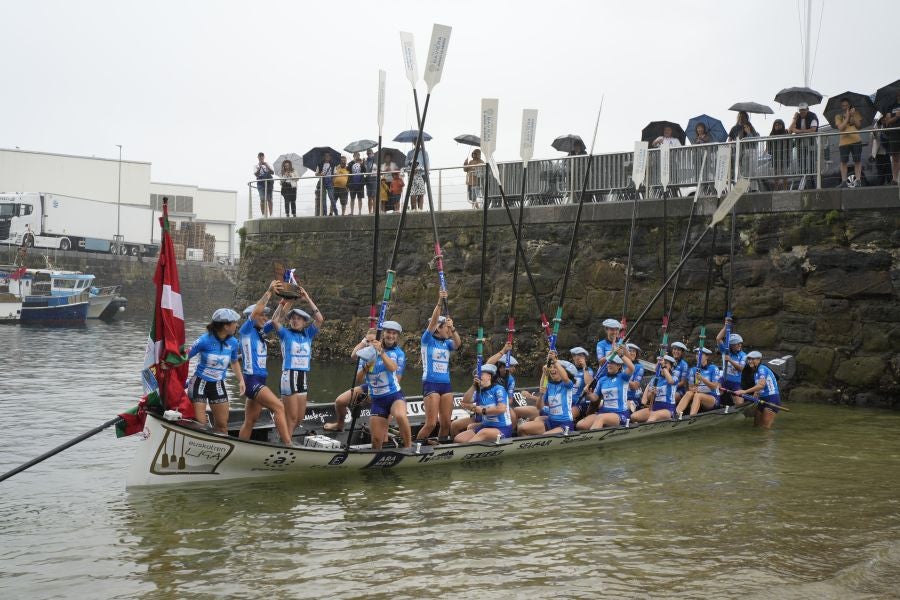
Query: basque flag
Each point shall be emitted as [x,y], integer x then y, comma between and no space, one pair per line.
[165,359]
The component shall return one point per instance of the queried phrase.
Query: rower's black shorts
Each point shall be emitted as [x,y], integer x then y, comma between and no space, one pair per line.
[200,390]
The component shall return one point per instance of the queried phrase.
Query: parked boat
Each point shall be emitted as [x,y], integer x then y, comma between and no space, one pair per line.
[183,452]
[52,297]
[106,303]
[10,302]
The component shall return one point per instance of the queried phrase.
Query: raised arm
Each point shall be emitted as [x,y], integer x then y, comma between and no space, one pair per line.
[436,313]
[317,316]
[493,360]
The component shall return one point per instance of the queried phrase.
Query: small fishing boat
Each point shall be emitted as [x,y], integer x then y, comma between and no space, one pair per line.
[53,297]
[176,451]
[106,302]
[10,302]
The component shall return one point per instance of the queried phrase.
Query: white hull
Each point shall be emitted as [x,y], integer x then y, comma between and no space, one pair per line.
[182,453]
[98,305]
[10,312]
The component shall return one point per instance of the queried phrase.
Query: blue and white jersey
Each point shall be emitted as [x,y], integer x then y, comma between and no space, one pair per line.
[614,392]
[604,347]
[765,375]
[638,375]
[436,358]
[296,347]
[665,393]
[711,372]
[579,382]
[680,375]
[383,382]
[733,375]
[558,400]
[489,399]
[510,385]
[215,356]
[253,348]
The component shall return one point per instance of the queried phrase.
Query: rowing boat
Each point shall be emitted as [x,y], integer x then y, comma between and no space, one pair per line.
[180,452]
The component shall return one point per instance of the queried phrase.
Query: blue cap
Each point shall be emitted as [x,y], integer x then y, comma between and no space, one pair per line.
[225,315]
[392,326]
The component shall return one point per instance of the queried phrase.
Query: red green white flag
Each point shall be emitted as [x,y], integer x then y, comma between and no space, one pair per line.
[165,359]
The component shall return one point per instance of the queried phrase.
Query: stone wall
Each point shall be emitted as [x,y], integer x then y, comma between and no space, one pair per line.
[816,275]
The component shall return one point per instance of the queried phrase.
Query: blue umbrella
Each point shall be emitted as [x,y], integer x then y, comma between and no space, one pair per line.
[409,136]
[713,126]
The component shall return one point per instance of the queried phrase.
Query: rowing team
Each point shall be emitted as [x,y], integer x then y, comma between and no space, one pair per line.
[571,396]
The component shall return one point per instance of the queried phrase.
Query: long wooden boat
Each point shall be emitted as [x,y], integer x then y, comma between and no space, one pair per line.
[182,452]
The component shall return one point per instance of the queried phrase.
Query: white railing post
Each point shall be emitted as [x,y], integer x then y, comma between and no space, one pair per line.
[819,153]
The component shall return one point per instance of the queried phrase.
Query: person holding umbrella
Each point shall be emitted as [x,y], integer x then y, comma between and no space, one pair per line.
[473,167]
[289,188]
[892,119]
[325,170]
[667,139]
[743,128]
[702,135]
[805,122]
[848,121]
[371,169]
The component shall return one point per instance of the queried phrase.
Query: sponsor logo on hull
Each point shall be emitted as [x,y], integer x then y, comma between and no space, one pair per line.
[182,453]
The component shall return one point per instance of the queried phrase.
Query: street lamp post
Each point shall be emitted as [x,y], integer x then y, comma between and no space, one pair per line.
[119,202]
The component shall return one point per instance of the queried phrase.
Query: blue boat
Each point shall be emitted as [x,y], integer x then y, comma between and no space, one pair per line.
[52,297]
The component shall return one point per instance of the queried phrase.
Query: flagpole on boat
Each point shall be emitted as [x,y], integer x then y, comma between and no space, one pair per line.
[408,48]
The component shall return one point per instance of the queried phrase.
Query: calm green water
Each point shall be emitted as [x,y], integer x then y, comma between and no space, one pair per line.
[808,510]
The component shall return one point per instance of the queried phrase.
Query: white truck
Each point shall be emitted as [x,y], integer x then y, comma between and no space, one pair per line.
[54,221]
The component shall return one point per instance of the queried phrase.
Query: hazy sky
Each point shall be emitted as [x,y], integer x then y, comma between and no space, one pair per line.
[199,87]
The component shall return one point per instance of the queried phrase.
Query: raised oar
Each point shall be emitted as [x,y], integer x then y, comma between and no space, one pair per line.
[728,315]
[408,48]
[526,150]
[739,189]
[60,448]
[557,319]
[373,313]
[709,265]
[488,144]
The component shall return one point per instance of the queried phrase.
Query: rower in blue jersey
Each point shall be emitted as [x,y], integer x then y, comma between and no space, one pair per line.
[384,363]
[611,393]
[680,372]
[217,350]
[605,346]
[486,398]
[506,378]
[584,377]
[439,340]
[296,349]
[703,386]
[634,386]
[733,356]
[254,353]
[766,389]
[661,393]
[554,403]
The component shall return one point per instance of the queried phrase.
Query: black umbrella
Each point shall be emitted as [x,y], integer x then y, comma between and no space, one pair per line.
[655,130]
[313,158]
[752,107]
[885,97]
[397,157]
[793,96]
[468,139]
[360,145]
[861,103]
[569,143]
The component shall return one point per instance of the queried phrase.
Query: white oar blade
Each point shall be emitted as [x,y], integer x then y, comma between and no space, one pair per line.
[382,79]
[489,108]
[529,131]
[739,189]
[639,164]
[437,54]
[408,47]
[494,169]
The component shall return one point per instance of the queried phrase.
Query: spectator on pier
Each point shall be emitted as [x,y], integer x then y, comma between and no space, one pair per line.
[357,182]
[578,149]
[341,179]
[390,175]
[666,139]
[423,158]
[417,187]
[743,128]
[805,122]
[848,121]
[780,151]
[371,168]
[263,172]
[880,155]
[703,136]
[289,188]
[325,189]
[473,168]
[892,145]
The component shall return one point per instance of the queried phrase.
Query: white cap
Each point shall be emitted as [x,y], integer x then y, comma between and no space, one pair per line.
[678,345]
[249,310]
[617,360]
[704,350]
[671,359]
[298,311]
[512,361]
[612,324]
[225,315]
[754,354]
[366,354]
[392,326]
[489,368]
[578,350]
[569,367]
[803,105]
[634,347]
[735,339]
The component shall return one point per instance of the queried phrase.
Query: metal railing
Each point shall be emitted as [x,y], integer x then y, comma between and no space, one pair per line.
[771,163]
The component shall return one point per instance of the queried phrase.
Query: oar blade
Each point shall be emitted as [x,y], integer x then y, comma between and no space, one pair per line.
[740,188]
[489,108]
[496,171]
[382,81]
[437,54]
[529,131]
[408,47]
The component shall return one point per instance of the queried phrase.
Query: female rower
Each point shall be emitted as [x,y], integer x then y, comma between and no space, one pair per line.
[662,394]
[584,377]
[680,372]
[506,378]
[612,394]
[766,389]
[634,386]
[733,357]
[703,386]
[218,349]
[254,353]
[605,346]
[491,404]
[382,370]
[296,348]
[554,402]
[438,340]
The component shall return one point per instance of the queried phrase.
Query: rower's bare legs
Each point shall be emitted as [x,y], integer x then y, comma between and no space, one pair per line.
[764,417]
[445,414]
[702,400]
[295,408]
[463,436]
[659,415]
[458,426]
[526,412]
[606,420]
[488,434]
[641,415]
[340,409]
[587,422]
[398,411]
[430,403]
[265,398]
[684,402]
[378,427]
[220,416]
[200,412]
[535,427]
